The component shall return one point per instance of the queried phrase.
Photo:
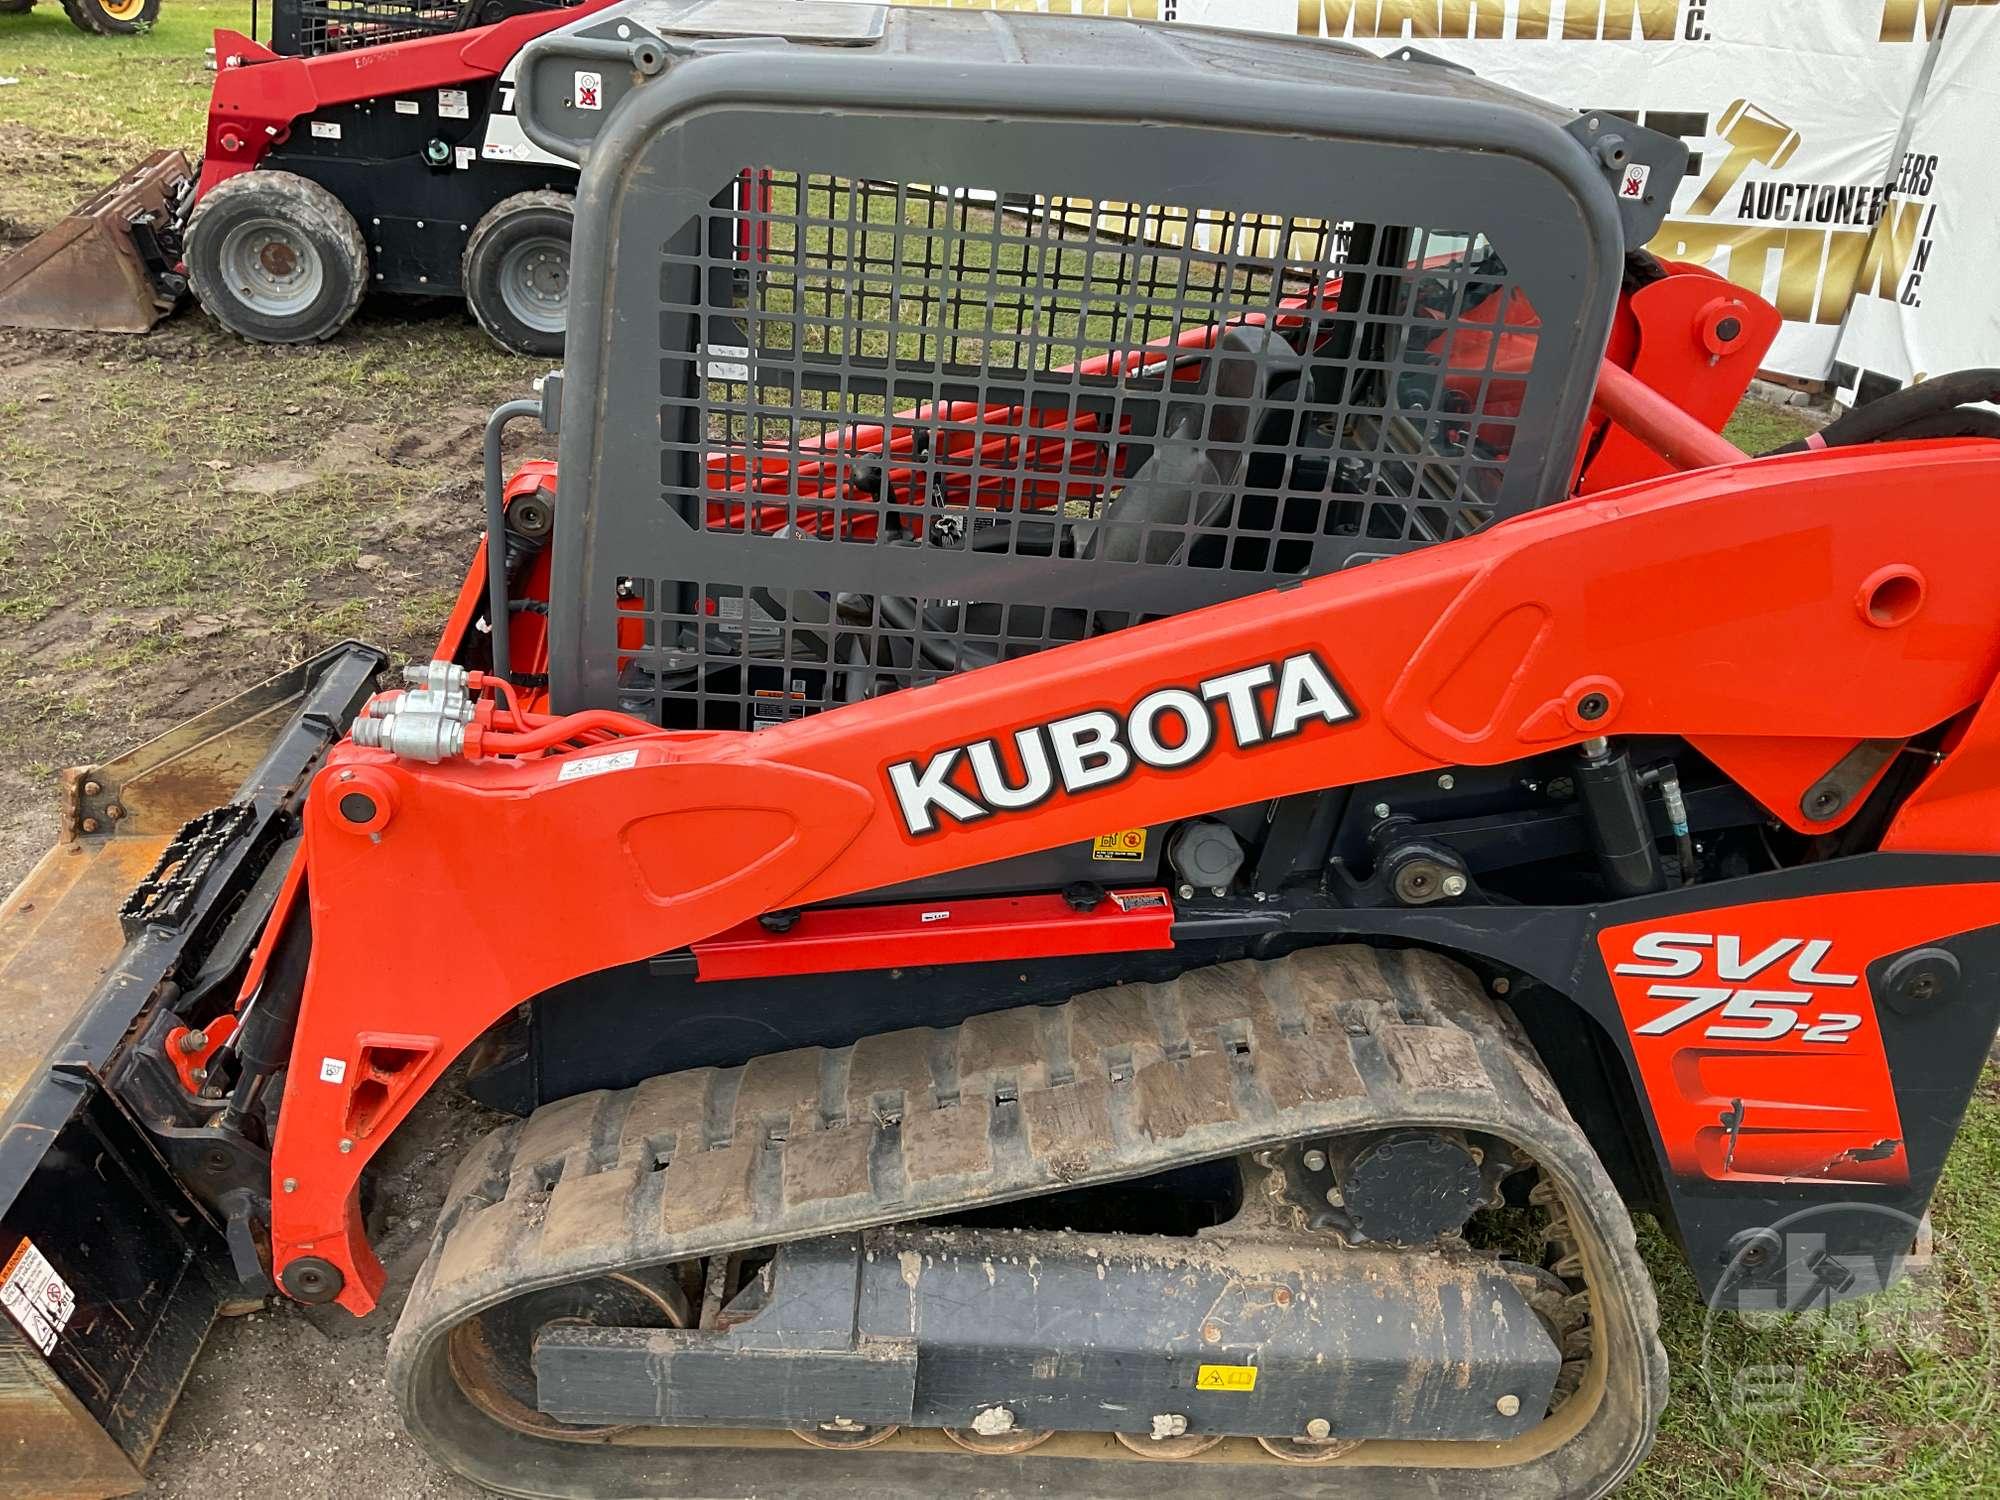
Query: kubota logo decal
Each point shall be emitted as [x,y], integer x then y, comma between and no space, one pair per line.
[1169,729]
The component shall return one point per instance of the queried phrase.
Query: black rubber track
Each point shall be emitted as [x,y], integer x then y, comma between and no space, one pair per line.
[1112,1085]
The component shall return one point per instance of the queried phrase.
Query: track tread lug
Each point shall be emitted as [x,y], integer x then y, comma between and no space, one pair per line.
[826,1165]
[940,1145]
[709,1189]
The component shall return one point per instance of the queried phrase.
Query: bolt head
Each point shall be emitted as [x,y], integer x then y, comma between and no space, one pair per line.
[290,1184]
[90,825]
[346,1145]
[114,812]
[1508,1405]
[1319,1428]
[1186,893]
[1283,1296]
[1454,885]
[1381,809]
[1447,781]
[1502,984]
[1315,1161]
[92,788]
[1211,1333]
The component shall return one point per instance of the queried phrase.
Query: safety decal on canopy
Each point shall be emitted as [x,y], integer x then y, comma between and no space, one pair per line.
[35,1295]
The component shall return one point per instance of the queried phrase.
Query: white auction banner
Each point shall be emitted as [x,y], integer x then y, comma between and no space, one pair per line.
[1945,315]
[1820,175]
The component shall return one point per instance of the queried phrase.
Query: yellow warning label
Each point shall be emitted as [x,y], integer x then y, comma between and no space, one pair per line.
[1226,1378]
[1127,843]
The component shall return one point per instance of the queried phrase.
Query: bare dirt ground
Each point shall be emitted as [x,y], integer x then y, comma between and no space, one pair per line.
[181,515]
[292,1402]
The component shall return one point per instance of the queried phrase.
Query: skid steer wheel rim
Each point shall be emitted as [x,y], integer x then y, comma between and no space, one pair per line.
[270,267]
[122,10]
[534,282]
[492,1355]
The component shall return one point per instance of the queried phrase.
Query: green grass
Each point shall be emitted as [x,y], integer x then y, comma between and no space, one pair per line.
[1895,1394]
[149,90]
[1759,426]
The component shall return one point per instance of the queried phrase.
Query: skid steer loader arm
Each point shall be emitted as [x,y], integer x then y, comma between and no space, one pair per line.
[111,1268]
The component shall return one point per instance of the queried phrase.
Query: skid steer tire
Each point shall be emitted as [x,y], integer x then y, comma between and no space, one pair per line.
[516,271]
[276,258]
[112,17]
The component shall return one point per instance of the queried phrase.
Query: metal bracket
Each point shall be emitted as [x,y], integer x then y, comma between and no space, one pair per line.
[1827,798]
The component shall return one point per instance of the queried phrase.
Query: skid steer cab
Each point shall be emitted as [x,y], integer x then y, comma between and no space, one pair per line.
[1143,768]
[370,146]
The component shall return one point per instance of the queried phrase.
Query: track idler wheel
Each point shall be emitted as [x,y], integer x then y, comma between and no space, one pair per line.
[493,1355]
[828,1435]
[1308,1451]
[1019,1440]
[1183,1445]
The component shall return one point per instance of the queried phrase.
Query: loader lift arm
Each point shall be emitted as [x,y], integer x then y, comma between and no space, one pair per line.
[1555,628]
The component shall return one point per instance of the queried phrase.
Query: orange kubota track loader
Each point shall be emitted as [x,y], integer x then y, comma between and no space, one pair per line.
[1145,767]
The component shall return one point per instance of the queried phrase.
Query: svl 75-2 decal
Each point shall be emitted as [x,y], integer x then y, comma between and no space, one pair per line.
[1755,1035]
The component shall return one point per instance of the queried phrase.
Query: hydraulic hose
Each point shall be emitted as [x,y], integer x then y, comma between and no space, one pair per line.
[496,531]
[556,731]
[1941,407]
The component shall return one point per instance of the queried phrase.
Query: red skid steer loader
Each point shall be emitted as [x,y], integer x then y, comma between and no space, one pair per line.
[1143,770]
[370,147]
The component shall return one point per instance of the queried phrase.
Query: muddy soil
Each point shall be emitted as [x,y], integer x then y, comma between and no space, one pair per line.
[181,515]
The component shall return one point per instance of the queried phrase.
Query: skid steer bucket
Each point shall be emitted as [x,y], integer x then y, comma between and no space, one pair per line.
[110,1271]
[103,268]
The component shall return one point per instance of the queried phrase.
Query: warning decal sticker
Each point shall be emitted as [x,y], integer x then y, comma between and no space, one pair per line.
[1127,843]
[597,765]
[39,1299]
[1226,1378]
